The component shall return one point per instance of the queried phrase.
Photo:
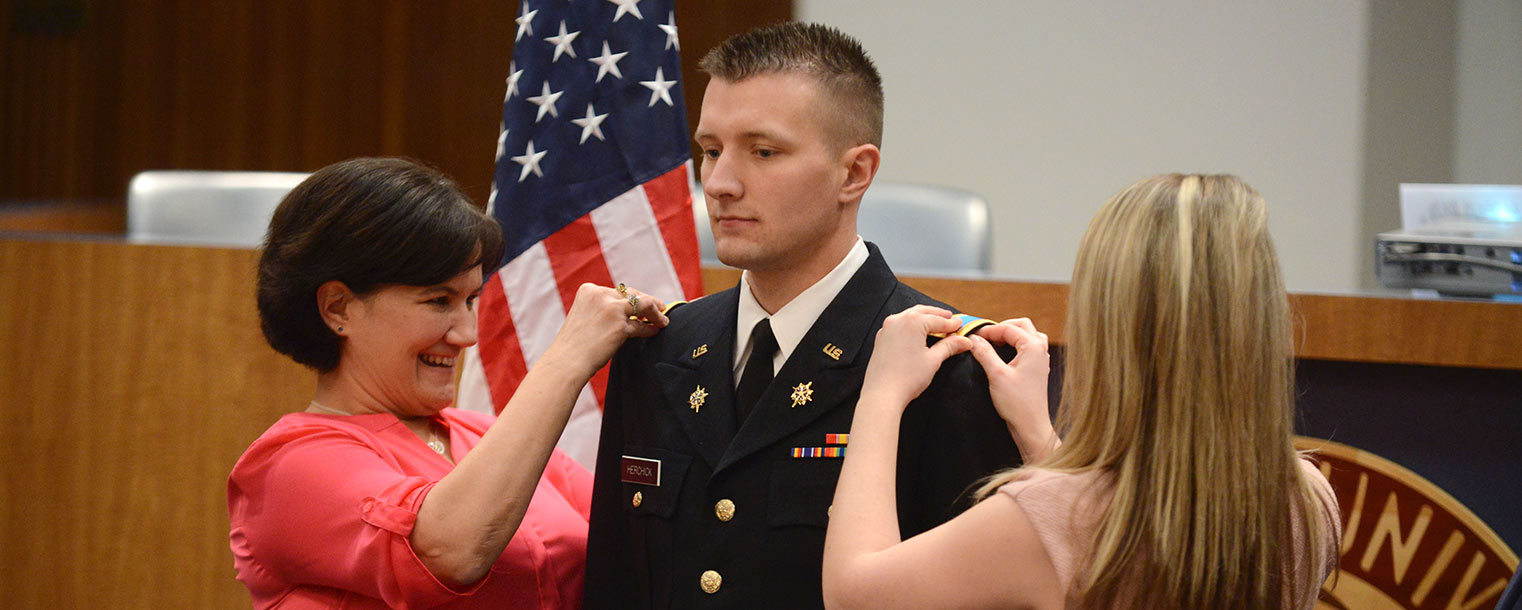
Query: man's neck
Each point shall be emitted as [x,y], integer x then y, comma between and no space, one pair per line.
[775,288]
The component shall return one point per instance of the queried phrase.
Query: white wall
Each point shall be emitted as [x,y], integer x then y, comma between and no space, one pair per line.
[1048,108]
[1488,125]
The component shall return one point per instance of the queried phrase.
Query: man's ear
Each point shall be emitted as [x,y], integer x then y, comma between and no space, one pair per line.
[861,163]
[334,301]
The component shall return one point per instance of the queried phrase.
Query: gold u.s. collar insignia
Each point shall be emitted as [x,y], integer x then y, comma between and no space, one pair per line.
[832,351]
[803,393]
[701,349]
[696,399]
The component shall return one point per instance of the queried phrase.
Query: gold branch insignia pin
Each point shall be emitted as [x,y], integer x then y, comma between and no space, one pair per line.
[803,393]
[696,399]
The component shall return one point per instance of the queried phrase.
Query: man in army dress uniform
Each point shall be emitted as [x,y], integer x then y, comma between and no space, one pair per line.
[722,436]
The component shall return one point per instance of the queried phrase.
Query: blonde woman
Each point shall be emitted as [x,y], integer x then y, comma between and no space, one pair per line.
[1175,484]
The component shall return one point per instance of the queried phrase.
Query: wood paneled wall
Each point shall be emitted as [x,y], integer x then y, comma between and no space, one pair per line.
[270,85]
[134,377]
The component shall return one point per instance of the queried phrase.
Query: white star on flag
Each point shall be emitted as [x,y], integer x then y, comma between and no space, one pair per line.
[607,63]
[562,43]
[627,6]
[670,29]
[501,142]
[525,22]
[512,80]
[660,88]
[546,101]
[590,126]
[530,161]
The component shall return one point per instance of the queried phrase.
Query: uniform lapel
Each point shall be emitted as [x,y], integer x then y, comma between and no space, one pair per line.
[825,370]
[697,383]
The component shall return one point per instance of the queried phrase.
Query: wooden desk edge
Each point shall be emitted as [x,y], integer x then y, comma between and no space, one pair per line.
[1472,334]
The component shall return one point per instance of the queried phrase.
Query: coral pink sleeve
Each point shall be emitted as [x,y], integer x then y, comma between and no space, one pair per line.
[322,507]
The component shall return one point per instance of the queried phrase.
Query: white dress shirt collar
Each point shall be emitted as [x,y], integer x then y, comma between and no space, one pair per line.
[795,318]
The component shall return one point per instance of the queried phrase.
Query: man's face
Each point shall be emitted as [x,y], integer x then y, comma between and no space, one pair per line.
[772,174]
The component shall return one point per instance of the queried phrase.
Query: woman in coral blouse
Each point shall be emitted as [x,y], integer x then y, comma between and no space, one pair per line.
[1175,484]
[376,495]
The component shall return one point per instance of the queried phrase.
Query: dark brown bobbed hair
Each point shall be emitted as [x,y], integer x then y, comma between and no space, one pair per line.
[369,223]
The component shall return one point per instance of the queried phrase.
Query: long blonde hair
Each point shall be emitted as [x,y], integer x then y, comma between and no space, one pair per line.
[1178,384]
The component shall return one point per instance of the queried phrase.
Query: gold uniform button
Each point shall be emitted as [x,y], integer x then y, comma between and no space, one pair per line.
[710,582]
[638,498]
[828,511]
[724,509]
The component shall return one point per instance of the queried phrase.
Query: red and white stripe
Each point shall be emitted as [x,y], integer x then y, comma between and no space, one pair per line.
[644,238]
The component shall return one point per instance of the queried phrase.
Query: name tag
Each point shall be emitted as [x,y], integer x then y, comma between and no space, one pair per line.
[640,471]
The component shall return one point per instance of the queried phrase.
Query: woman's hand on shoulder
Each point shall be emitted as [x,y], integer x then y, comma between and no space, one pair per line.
[601,318]
[1019,387]
[902,365]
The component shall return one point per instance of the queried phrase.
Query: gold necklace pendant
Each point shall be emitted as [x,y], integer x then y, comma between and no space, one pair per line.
[435,441]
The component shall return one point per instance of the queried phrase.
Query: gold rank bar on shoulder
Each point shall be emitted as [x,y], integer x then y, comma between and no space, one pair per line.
[970,324]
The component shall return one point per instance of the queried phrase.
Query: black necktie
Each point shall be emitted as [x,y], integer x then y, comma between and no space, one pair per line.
[758,370]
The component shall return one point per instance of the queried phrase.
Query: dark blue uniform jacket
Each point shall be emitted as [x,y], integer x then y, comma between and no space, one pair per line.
[682,491]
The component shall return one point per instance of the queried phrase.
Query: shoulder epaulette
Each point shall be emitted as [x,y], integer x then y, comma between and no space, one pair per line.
[670,306]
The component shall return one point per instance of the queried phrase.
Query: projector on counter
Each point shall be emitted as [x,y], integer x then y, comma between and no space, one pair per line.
[1458,239]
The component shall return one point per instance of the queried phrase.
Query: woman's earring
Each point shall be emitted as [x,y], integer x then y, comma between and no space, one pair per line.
[340,329]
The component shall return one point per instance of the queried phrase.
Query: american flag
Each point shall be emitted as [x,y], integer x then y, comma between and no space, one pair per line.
[592,185]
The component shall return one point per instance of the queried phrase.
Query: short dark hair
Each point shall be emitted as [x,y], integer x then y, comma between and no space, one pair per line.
[836,60]
[369,223]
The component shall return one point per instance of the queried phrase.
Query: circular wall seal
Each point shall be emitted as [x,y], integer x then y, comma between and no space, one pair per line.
[1405,542]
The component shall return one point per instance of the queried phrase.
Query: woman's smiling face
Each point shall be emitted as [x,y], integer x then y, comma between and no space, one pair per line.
[403,342]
